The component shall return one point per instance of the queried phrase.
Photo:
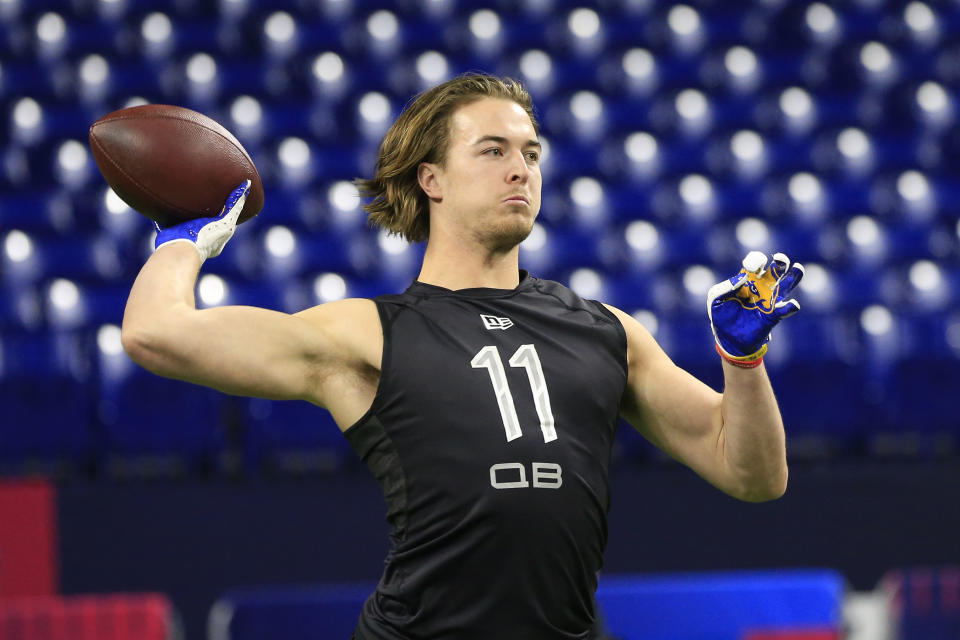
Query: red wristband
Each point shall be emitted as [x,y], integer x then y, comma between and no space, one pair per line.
[743,364]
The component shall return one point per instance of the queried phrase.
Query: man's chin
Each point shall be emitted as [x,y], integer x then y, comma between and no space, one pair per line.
[509,233]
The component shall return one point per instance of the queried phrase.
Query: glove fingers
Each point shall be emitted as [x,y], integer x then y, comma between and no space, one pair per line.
[727,288]
[237,197]
[754,262]
[792,278]
[736,282]
[785,309]
[779,265]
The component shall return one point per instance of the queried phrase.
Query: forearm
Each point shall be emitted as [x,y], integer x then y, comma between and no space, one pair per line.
[752,437]
[162,291]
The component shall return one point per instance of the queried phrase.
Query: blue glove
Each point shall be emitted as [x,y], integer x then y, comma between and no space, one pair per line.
[745,308]
[208,235]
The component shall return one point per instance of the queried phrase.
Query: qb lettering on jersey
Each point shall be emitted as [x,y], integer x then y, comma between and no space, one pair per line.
[496,322]
[513,475]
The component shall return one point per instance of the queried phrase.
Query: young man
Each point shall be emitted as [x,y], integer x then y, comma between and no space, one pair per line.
[483,399]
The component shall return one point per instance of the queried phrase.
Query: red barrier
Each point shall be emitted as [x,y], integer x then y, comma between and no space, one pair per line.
[106,617]
[28,539]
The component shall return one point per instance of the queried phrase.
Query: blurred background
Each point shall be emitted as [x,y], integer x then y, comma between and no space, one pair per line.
[677,137]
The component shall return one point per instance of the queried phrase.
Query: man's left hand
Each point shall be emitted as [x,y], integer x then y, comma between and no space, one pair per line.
[745,308]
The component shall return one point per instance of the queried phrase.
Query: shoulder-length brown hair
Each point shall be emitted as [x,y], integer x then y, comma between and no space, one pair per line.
[422,134]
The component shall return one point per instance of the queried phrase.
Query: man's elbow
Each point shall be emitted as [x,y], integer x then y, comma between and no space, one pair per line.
[771,487]
[137,343]
[146,347]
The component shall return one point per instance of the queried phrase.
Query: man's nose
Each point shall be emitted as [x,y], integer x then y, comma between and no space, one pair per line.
[519,171]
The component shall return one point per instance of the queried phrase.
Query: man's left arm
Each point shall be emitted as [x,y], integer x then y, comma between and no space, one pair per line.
[752,437]
[735,440]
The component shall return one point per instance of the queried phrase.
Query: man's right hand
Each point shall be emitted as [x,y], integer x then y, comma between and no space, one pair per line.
[207,235]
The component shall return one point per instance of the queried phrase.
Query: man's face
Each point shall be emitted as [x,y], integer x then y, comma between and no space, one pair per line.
[491,182]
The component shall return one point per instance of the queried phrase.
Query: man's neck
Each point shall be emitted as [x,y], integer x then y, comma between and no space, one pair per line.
[453,267]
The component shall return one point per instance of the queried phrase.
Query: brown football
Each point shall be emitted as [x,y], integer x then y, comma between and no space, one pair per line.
[172,164]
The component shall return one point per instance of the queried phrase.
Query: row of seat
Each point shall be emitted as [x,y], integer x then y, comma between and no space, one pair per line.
[30,253]
[616,24]
[580,202]
[841,391]
[898,130]
[645,201]
[630,156]
[82,298]
[118,616]
[552,74]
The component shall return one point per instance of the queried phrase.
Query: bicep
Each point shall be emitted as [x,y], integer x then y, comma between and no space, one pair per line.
[239,350]
[673,409]
[670,407]
[256,352]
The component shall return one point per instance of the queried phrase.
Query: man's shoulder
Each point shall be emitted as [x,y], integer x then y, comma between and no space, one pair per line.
[350,308]
[352,323]
[568,297]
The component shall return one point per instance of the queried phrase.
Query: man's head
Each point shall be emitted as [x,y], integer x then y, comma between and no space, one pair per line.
[429,148]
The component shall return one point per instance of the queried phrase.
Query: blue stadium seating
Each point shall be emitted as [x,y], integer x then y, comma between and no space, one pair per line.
[292,437]
[160,425]
[866,220]
[45,402]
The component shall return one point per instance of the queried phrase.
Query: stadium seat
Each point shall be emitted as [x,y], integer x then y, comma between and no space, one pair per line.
[35,432]
[824,130]
[20,308]
[822,398]
[293,437]
[151,425]
[118,616]
[923,383]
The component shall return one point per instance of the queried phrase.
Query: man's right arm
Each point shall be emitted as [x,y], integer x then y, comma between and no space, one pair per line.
[240,350]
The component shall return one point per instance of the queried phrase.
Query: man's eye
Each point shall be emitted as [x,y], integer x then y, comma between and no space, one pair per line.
[494,150]
[533,156]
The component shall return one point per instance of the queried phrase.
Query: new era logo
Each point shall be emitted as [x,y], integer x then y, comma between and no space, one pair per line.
[494,322]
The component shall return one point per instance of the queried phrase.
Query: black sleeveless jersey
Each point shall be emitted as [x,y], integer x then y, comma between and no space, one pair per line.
[490,435]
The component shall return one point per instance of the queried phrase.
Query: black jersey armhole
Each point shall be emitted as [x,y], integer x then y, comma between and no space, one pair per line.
[372,443]
[385,328]
[621,333]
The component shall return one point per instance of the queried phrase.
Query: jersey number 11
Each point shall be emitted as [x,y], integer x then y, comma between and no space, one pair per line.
[526,357]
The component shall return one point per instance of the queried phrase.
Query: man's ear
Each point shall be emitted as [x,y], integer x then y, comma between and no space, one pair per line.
[427,176]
